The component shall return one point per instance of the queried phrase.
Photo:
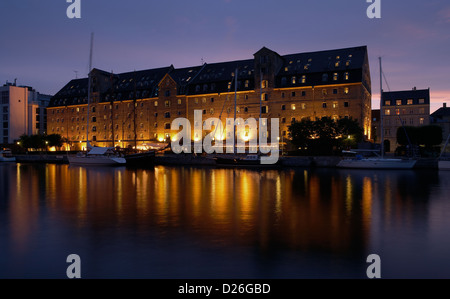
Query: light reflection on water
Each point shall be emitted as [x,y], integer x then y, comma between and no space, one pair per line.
[175,222]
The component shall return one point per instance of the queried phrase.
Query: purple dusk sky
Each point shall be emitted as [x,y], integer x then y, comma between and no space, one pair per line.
[44,49]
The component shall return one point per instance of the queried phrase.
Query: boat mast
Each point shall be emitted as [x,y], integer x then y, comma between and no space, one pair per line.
[235,104]
[89,91]
[381,110]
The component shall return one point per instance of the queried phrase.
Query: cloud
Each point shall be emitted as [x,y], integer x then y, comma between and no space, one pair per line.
[444,15]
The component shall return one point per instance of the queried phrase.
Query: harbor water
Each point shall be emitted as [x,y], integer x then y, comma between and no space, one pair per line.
[205,222]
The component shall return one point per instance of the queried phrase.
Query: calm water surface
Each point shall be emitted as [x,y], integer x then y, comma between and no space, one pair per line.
[176,222]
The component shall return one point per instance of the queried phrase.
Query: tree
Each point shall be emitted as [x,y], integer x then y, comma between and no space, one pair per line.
[33,141]
[55,140]
[324,136]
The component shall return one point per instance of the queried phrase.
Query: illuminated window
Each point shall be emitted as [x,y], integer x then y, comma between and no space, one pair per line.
[397,111]
[347,76]
[264,109]
[303,106]
[304,79]
[167,104]
[294,80]
[398,102]
[211,111]
[421,121]
[292,106]
[335,76]
[387,103]
[409,102]
[247,83]
[204,100]
[346,90]
[337,64]
[264,84]
[156,104]
[335,105]
[179,101]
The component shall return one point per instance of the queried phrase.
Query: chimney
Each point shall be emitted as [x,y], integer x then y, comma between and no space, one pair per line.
[414,88]
[445,105]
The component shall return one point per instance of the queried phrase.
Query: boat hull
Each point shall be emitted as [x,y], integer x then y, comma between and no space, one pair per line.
[444,165]
[141,159]
[377,163]
[104,161]
[7,159]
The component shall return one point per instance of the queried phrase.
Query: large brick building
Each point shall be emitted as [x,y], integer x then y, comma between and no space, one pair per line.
[404,108]
[139,107]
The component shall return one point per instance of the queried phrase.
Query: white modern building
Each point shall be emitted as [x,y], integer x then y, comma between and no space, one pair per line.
[23,112]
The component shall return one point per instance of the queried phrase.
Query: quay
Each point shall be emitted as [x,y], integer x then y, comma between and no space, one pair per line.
[170,159]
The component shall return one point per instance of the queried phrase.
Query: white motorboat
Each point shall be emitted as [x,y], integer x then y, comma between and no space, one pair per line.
[444,159]
[377,163]
[5,156]
[97,156]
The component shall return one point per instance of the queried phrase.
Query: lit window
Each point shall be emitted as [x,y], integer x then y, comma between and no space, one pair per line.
[304,79]
[347,76]
[264,84]
[387,103]
[179,101]
[346,90]
[335,76]
[397,111]
[409,102]
[398,102]
[337,64]
[247,83]
[156,104]
[292,106]
[204,100]
[303,106]
[211,111]
[293,80]
[335,105]
[421,120]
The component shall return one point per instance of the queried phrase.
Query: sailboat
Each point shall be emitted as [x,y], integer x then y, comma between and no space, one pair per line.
[95,155]
[237,159]
[444,161]
[378,162]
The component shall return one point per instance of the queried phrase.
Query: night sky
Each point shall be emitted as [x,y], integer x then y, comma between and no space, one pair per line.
[44,49]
